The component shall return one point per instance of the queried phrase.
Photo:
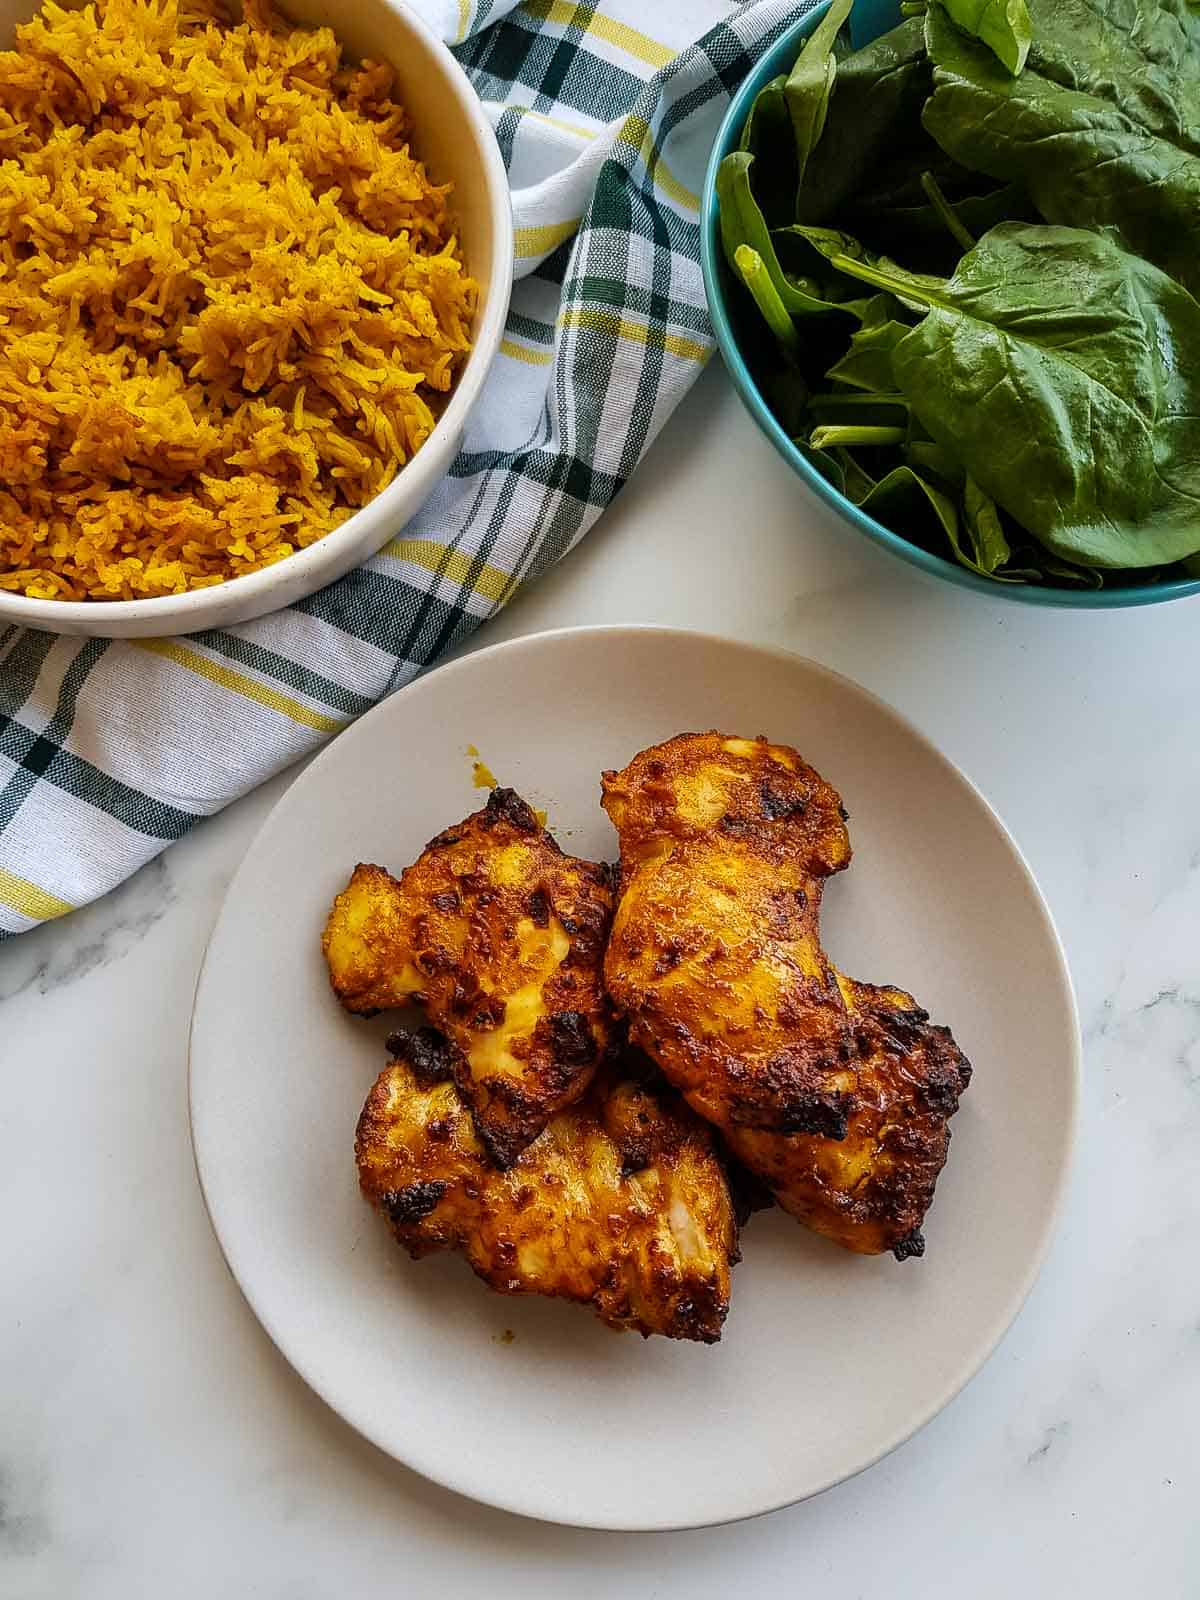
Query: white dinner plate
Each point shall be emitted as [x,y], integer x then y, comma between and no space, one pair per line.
[828,1360]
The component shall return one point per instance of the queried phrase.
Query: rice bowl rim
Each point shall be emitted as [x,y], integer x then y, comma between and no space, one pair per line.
[363,533]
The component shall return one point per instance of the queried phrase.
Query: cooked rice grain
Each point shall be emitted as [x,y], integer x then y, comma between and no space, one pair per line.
[231,301]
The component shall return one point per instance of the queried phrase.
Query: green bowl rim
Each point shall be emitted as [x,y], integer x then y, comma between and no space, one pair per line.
[713,267]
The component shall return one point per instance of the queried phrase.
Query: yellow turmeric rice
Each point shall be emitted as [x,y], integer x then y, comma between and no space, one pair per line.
[231,301]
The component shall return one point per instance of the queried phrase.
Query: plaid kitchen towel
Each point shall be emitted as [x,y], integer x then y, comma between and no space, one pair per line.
[109,751]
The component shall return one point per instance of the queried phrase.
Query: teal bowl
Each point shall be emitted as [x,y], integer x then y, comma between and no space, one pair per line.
[868,20]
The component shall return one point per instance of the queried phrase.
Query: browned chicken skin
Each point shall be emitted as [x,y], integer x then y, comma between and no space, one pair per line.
[870,1191]
[499,937]
[715,955]
[620,1203]
[835,1093]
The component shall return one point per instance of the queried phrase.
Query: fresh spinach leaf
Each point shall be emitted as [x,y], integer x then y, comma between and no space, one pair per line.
[914,507]
[743,224]
[1064,373]
[810,83]
[1103,126]
[984,529]
[1078,577]
[895,183]
[1003,25]
[936,461]
[918,233]
[874,118]
[854,407]
[842,468]
[787,395]
[914,504]
[767,136]
[1030,564]
[826,462]
[858,481]
[879,310]
[867,364]
[848,255]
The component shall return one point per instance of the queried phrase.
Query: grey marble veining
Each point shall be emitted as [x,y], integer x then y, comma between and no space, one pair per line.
[24,1529]
[55,956]
[153,1442]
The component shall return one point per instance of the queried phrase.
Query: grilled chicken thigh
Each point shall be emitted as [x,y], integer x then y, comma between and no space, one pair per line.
[870,1190]
[715,955]
[499,937]
[620,1202]
[835,1093]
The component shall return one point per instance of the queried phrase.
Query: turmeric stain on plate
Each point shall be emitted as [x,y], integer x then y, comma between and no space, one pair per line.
[483,777]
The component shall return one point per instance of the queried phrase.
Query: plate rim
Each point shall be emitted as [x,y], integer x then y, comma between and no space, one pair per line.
[354,1416]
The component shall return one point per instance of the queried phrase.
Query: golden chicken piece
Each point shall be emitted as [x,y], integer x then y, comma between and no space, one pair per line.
[870,1191]
[715,954]
[499,937]
[620,1203]
[715,959]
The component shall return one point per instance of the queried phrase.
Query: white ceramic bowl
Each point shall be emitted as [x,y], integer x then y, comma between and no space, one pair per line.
[456,142]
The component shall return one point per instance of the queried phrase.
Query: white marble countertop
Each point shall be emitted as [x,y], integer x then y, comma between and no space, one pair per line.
[151,1439]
